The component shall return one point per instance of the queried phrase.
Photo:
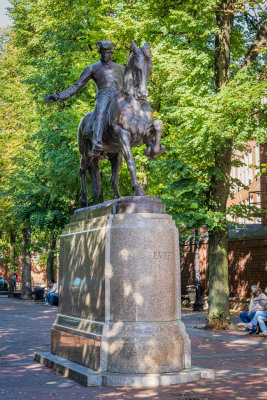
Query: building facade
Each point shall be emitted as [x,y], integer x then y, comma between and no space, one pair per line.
[255,193]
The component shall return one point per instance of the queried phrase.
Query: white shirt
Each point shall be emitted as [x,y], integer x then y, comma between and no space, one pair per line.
[53,289]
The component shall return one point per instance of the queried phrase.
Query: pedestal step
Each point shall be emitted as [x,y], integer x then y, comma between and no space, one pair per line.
[88,377]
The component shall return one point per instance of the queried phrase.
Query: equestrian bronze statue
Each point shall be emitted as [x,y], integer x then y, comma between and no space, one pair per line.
[122,117]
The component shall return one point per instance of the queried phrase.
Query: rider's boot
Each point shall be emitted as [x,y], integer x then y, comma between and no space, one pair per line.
[97,136]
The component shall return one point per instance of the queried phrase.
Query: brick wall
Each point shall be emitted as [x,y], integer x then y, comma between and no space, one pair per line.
[247,254]
[38,272]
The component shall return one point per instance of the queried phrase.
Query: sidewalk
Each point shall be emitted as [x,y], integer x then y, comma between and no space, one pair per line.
[239,361]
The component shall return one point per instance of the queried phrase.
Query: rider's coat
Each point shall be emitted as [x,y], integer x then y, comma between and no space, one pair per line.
[108,77]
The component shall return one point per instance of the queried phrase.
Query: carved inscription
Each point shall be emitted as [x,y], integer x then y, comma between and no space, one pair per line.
[163,255]
[145,332]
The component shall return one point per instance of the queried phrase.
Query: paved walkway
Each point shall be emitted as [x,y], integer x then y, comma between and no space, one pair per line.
[239,361]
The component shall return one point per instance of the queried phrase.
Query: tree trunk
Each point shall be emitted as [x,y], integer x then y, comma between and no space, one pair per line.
[224,20]
[51,258]
[26,291]
[219,316]
[12,264]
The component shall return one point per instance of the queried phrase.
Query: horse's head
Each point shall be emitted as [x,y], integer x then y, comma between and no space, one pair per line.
[137,71]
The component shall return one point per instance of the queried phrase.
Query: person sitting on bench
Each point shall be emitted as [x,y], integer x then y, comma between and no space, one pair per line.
[257,309]
[51,292]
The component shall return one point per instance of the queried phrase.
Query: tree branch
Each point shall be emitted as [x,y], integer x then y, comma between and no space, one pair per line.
[259,41]
[251,21]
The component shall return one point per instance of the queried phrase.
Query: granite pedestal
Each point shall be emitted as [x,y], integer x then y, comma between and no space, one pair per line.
[119,297]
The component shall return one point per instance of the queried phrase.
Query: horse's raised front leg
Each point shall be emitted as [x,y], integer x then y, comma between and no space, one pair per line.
[84,197]
[116,164]
[154,148]
[95,178]
[127,153]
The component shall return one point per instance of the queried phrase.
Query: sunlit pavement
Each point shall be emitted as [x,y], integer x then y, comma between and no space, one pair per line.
[238,359]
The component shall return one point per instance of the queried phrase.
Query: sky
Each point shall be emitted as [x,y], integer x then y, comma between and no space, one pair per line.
[4,20]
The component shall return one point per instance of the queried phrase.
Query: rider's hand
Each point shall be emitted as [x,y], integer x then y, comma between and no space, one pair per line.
[259,308]
[51,98]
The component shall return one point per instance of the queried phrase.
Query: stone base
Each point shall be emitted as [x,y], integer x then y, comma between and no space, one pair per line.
[88,377]
[119,290]
[119,315]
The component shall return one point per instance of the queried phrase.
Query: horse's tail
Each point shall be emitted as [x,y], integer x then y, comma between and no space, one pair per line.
[80,138]
[83,132]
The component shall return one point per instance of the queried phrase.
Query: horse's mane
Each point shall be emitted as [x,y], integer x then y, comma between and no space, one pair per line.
[128,82]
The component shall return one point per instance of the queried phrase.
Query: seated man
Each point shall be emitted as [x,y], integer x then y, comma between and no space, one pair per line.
[52,291]
[257,306]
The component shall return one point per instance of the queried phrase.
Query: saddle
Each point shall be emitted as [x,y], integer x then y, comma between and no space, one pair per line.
[90,119]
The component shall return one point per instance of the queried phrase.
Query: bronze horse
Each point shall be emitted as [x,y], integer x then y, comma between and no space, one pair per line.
[129,122]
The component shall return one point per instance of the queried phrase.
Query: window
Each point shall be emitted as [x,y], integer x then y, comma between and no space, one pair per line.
[250,173]
[246,171]
[258,201]
[257,158]
[243,219]
[249,220]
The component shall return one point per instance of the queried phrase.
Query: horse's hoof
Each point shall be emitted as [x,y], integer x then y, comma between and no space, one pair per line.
[157,153]
[83,202]
[148,151]
[139,192]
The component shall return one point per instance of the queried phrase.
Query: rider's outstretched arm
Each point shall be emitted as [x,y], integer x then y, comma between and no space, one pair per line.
[86,75]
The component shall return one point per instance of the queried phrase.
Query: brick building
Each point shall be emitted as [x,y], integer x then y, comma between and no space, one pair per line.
[256,194]
[247,246]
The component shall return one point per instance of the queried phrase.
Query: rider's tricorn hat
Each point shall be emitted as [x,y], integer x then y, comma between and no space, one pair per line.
[105,45]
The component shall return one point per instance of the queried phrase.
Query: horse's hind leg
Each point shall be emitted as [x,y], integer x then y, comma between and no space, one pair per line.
[116,164]
[83,198]
[127,153]
[95,178]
